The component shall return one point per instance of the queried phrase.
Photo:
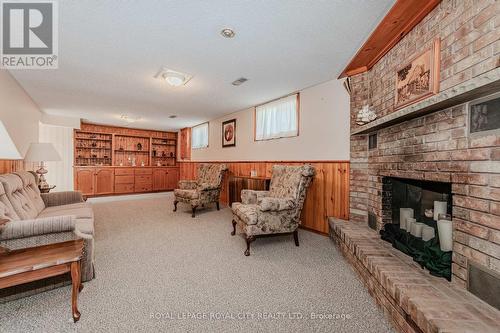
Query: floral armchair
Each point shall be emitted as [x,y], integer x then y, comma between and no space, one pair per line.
[204,190]
[276,211]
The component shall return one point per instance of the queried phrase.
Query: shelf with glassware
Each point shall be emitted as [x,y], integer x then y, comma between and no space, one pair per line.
[132,150]
[163,151]
[93,148]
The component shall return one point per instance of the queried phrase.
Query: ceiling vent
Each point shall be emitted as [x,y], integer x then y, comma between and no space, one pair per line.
[240,81]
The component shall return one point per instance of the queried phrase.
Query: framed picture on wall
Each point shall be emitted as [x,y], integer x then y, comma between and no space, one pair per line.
[419,77]
[229,133]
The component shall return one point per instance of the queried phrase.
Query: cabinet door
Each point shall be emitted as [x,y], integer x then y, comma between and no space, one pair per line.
[104,181]
[172,178]
[159,179]
[84,180]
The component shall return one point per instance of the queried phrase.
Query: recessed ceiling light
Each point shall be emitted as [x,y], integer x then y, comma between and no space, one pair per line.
[173,78]
[172,116]
[239,81]
[227,33]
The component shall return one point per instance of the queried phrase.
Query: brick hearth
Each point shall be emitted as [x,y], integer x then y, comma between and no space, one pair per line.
[414,300]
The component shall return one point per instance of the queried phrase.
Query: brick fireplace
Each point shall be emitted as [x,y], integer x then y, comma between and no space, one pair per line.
[431,140]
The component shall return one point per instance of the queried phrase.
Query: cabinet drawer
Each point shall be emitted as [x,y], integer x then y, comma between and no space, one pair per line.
[143,179]
[143,187]
[124,188]
[124,180]
[124,172]
[146,171]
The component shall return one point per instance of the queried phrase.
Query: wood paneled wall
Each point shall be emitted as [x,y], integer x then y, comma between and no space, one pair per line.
[7,166]
[327,196]
[185,144]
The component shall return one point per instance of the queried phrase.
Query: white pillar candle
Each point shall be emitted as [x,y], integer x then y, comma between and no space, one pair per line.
[439,208]
[410,221]
[428,233]
[404,213]
[416,229]
[445,231]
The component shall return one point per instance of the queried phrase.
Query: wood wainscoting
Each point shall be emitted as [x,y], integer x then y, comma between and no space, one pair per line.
[8,166]
[327,196]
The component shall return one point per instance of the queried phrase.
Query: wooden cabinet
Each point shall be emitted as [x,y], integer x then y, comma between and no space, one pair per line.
[104,181]
[84,180]
[104,156]
[159,179]
[123,180]
[172,178]
[94,181]
[165,179]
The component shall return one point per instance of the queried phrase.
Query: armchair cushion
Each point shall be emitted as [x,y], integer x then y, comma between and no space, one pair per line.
[208,187]
[188,184]
[61,198]
[247,213]
[186,194]
[252,196]
[275,204]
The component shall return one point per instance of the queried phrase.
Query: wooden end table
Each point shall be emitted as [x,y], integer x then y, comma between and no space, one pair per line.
[36,263]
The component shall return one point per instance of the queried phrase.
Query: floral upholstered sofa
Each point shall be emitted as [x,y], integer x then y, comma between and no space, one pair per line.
[276,211]
[33,218]
[204,190]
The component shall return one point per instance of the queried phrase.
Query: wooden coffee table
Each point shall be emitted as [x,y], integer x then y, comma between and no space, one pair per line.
[36,263]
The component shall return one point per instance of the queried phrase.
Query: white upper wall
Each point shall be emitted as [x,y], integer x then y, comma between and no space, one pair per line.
[323,131]
[18,112]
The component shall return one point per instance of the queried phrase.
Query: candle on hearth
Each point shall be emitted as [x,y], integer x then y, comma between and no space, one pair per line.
[404,213]
[445,232]
[428,233]
[410,221]
[439,208]
[416,229]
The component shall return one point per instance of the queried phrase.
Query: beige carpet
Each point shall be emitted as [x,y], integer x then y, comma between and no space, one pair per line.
[164,271]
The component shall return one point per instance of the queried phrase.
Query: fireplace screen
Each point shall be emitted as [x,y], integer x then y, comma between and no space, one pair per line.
[417,216]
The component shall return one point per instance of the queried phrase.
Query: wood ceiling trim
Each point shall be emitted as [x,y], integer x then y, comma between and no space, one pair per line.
[399,21]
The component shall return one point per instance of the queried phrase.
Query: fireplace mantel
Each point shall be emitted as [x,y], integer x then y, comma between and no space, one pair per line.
[479,86]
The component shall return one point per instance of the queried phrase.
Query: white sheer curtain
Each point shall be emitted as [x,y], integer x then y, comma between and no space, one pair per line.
[277,119]
[199,136]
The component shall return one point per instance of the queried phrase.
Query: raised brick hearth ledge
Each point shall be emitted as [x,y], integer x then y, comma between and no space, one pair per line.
[413,299]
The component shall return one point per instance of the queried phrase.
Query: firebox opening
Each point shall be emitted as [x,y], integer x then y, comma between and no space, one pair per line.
[411,210]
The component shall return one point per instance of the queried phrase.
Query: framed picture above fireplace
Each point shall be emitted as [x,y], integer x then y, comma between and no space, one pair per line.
[418,78]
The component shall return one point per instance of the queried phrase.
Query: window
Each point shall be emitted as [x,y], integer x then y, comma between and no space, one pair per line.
[277,119]
[199,136]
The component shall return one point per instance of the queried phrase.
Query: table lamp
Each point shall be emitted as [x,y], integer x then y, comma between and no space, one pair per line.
[42,152]
[8,150]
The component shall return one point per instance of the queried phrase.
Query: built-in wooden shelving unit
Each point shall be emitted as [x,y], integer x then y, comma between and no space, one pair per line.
[117,160]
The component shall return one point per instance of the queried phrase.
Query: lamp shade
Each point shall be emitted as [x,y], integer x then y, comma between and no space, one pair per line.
[42,152]
[8,150]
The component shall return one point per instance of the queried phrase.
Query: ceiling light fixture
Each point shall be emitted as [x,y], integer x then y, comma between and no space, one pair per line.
[129,119]
[173,78]
[227,33]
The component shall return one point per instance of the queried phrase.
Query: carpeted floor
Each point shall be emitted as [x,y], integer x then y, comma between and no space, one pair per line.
[164,271]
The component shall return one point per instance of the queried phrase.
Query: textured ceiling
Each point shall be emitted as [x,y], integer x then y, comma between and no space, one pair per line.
[109,52]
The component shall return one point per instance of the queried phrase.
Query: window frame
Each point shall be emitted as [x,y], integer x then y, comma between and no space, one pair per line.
[297,94]
[208,136]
